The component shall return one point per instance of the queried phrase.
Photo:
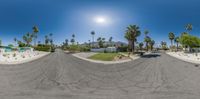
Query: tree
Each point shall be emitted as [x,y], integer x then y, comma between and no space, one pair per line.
[28,39]
[131,35]
[21,44]
[147,39]
[163,44]
[171,37]
[141,45]
[72,41]
[188,27]
[101,42]
[15,40]
[46,40]
[35,32]
[176,40]
[0,42]
[189,40]
[66,42]
[51,39]
[93,33]
[152,42]
[110,40]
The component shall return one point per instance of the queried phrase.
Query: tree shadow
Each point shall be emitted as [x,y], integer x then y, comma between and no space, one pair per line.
[150,56]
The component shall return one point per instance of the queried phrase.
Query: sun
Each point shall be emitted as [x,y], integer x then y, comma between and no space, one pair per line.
[100,20]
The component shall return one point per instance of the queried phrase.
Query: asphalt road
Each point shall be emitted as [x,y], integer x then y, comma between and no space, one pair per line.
[62,76]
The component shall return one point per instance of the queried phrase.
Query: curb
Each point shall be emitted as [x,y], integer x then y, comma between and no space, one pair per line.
[102,62]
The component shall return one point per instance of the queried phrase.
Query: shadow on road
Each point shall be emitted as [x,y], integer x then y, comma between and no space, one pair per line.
[151,56]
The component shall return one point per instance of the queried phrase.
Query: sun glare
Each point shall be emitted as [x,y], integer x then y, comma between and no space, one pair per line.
[100,20]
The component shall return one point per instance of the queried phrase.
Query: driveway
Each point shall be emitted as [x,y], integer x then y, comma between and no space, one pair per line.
[62,76]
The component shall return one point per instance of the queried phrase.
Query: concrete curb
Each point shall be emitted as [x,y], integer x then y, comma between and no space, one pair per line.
[102,62]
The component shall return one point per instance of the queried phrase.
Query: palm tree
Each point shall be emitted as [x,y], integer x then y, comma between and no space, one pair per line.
[147,39]
[15,40]
[131,35]
[152,44]
[176,40]
[101,42]
[110,40]
[92,33]
[35,31]
[51,39]
[73,39]
[164,44]
[89,42]
[141,45]
[171,37]
[189,27]
[28,38]
[46,40]
[66,42]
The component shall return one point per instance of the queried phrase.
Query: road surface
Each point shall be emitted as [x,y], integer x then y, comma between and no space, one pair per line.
[62,76]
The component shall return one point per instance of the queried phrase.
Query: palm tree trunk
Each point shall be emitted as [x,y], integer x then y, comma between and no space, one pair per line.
[133,47]
[93,41]
[177,46]
[171,43]
[147,46]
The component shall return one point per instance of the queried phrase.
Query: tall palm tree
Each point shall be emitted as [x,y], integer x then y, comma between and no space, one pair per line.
[189,27]
[35,32]
[147,39]
[171,37]
[176,40]
[73,39]
[141,45]
[15,40]
[110,40]
[51,39]
[66,42]
[131,35]
[46,40]
[93,33]
[152,44]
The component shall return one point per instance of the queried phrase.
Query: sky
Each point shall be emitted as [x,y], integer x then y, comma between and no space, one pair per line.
[106,17]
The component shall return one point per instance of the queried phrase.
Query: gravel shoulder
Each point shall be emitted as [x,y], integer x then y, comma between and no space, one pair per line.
[188,57]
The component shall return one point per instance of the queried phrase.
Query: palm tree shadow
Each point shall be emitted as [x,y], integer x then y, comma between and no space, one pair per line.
[150,56]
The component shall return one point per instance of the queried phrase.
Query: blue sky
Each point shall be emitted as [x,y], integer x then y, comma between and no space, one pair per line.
[65,17]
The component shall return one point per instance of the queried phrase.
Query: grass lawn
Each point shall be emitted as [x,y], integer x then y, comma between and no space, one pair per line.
[104,56]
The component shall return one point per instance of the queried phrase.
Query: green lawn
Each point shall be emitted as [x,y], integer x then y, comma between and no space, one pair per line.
[104,56]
